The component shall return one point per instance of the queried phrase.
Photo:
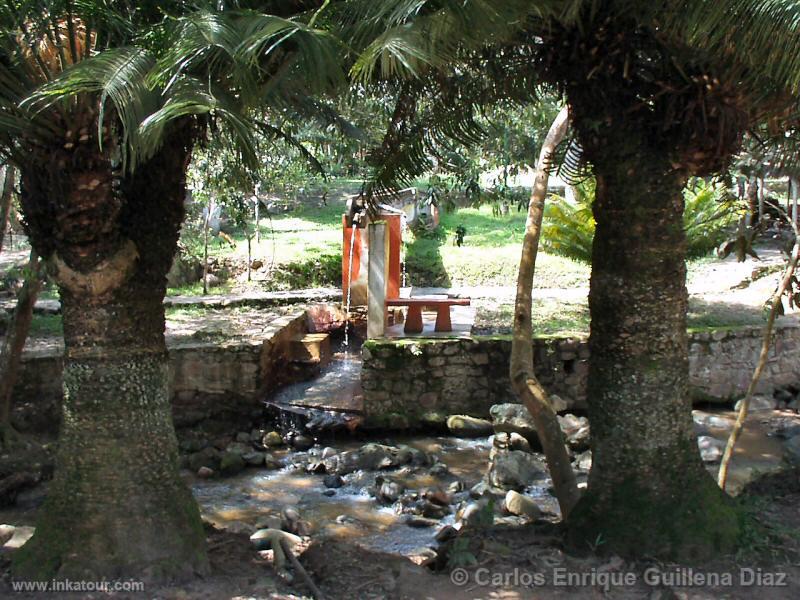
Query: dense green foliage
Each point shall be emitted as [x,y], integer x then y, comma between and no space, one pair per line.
[568,229]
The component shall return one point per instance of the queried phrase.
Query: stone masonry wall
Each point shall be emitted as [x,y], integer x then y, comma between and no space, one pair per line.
[210,379]
[421,380]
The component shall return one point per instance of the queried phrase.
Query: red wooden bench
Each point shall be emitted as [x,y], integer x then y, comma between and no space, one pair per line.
[417,303]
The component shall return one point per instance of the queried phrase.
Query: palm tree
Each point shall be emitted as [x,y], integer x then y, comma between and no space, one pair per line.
[657,92]
[100,106]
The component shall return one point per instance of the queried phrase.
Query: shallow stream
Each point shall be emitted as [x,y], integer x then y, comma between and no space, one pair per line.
[245,501]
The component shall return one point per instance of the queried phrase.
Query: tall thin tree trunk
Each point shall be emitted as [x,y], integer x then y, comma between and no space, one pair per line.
[14,342]
[775,305]
[523,378]
[648,493]
[6,194]
[752,200]
[205,250]
[117,506]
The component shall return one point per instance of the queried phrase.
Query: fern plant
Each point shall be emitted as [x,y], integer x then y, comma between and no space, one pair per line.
[568,228]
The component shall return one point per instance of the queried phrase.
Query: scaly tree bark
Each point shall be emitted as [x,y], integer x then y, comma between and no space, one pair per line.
[523,378]
[648,492]
[645,125]
[14,342]
[116,507]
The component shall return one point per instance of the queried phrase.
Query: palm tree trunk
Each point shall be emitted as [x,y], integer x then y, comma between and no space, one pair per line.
[14,342]
[523,378]
[648,493]
[116,506]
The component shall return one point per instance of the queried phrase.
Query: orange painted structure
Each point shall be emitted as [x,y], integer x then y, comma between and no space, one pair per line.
[356,280]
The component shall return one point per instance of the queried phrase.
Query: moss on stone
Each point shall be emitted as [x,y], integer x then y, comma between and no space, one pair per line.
[696,521]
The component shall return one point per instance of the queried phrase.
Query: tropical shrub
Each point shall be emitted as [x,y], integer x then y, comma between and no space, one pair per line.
[568,228]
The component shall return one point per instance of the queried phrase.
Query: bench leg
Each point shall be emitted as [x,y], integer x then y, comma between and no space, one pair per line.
[443,318]
[413,320]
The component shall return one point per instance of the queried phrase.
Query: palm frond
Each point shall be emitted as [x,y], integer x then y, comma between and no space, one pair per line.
[763,35]
[435,112]
[277,133]
[403,38]
[268,41]
[119,75]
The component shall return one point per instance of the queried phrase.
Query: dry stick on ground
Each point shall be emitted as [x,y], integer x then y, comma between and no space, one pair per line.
[785,282]
[523,378]
[14,342]
[300,570]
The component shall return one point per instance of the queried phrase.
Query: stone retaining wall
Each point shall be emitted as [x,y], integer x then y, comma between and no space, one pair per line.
[210,379]
[427,379]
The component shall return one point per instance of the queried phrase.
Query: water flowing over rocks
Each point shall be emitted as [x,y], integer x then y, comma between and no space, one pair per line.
[711,449]
[372,457]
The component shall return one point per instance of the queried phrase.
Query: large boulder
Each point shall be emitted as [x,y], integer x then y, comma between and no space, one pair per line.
[466,426]
[238,448]
[231,463]
[576,431]
[186,270]
[514,470]
[791,450]
[207,457]
[272,439]
[711,449]
[758,404]
[523,506]
[370,457]
[513,418]
[508,441]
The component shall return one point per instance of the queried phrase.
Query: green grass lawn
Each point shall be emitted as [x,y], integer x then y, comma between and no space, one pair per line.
[305,248]
[489,256]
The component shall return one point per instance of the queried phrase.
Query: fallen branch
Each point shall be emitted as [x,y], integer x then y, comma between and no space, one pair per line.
[744,406]
[317,593]
[523,379]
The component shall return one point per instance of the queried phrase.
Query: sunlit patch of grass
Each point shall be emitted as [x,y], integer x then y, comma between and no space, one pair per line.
[46,326]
